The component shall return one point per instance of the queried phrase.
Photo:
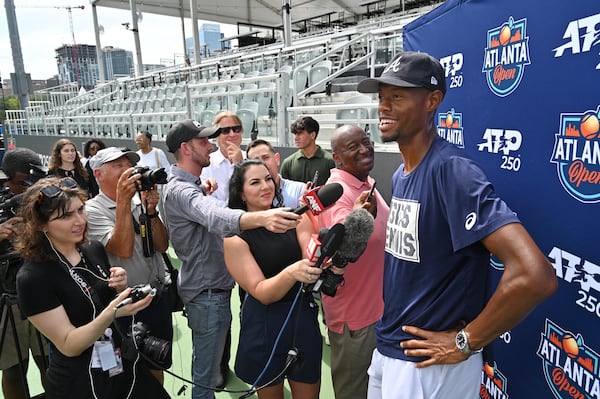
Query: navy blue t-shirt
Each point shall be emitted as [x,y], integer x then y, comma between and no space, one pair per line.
[436,269]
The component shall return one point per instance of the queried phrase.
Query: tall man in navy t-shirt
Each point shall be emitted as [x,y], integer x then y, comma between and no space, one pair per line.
[445,219]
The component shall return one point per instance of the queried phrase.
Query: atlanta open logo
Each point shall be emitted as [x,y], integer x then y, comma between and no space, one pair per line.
[493,382]
[450,127]
[506,55]
[576,154]
[570,367]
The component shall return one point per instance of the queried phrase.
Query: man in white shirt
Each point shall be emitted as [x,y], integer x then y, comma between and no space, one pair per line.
[228,154]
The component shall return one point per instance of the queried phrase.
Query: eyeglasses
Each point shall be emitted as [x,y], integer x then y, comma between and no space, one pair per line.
[236,129]
[52,191]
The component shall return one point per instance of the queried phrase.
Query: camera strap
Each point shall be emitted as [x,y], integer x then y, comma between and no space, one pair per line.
[84,280]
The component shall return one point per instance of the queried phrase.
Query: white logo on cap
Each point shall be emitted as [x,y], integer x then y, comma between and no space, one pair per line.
[434,81]
[196,123]
[393,66]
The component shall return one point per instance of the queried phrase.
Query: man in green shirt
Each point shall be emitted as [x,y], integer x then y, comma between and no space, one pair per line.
[310,158]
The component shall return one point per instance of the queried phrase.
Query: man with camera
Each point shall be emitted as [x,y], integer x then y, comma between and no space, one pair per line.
[124,217]
[21,167]
[358,303]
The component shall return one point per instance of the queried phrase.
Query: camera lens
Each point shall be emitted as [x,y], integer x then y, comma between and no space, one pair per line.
[156,348]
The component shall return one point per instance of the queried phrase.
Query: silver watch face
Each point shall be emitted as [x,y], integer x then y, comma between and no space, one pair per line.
[461,341]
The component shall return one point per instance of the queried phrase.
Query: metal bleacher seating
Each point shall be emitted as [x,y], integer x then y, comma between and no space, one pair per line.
[320,71]
[248,113]
[354,115]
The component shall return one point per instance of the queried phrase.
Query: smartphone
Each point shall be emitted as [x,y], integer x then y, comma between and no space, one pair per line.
[370,196]
[314,180]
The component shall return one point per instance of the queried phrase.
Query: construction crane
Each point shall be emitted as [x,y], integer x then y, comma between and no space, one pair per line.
[74,51]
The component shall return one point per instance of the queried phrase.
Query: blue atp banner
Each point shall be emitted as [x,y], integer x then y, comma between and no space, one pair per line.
[523,100]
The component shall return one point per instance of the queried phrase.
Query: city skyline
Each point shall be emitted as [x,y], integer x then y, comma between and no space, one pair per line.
[160,36]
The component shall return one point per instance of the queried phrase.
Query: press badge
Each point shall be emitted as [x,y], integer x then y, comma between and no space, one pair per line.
[105,356]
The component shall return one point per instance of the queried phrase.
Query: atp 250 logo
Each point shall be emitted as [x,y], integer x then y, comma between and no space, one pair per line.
[506,55]
[569,365]
[582,272]
[576,154]
[453,67]
[450,127]
[580,35]
[505,142]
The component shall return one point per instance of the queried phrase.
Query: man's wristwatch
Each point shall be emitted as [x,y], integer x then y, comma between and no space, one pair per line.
[462,343]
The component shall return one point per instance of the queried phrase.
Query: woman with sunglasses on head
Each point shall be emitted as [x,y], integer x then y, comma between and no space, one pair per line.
[65,162]
[68,291]
[271,269]
[92,146]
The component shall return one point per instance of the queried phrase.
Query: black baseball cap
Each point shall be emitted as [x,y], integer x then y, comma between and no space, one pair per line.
[186,130]
[409,69]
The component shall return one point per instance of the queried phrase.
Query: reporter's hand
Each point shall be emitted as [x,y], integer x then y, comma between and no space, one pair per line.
[118,278]
[132,308]
[280,220]
[9,228]
[304,271]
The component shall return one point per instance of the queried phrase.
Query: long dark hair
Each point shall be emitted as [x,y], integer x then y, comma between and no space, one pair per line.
[36,210]
[56,161]
[236,183]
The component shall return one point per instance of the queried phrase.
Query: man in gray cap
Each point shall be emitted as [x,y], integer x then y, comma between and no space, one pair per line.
[197,225]
[445,219]
[115,219]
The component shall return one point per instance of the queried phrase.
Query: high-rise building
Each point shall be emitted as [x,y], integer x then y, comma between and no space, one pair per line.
[210,41]
[118,62]
[77,64]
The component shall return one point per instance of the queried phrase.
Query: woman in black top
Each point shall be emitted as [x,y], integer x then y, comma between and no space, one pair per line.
[65,162]
[91,147]
[68,291]
[270,268]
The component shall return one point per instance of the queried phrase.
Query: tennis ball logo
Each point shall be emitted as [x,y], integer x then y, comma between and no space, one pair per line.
[589,126]
[449,119]
[505,35]
[570,346]
[489,370]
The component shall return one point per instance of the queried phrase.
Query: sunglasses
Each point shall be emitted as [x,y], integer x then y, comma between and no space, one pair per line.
[94,148]
[236,129]
[52,191]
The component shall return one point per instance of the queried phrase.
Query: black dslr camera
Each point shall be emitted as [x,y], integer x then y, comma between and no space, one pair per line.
[139,339]
[150,177]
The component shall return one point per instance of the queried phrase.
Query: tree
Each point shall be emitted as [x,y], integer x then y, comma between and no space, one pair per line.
[8,103]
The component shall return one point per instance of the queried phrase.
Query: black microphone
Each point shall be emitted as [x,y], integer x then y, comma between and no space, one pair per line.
[316,200]
[329,245]
[358,225]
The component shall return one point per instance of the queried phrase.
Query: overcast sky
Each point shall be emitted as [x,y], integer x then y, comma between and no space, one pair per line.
[43,28]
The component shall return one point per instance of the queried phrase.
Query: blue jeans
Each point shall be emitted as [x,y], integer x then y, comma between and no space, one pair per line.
[209,317]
